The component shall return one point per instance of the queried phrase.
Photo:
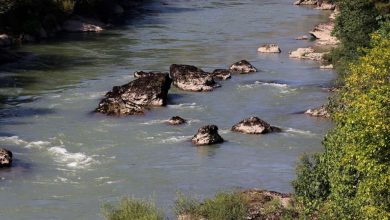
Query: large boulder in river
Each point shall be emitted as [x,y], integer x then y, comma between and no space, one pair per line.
[133,97]
[207,135]
[269,48]
[242,67]
[191,78]
[254,125]
[5,158]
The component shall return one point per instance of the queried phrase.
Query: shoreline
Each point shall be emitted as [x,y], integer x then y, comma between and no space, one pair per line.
[75,22]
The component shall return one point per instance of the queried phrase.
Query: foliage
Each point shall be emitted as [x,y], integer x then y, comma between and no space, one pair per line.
[358,150]
[225,205]
[6,5]
[357,20]
[131,209]
[311,186]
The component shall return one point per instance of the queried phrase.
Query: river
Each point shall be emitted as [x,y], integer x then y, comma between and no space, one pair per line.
[69,161]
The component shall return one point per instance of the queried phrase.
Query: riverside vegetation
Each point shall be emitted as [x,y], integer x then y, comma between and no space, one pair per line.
[350,179]
[27,20]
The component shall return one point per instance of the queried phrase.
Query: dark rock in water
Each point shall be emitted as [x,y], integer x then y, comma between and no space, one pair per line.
[221,74]
[133,97]
[139,74]
[8,56]
[254,125]
[242,67]
[176,120]
[318,112]
[191,78]
[5,158]
[207,135]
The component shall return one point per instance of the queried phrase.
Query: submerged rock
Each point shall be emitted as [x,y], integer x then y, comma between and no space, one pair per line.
[133,97]
[318,112]
[306,53]
[8,56]
[269,48]
[303,37]
[221,74]
[5,40]
[79,24]
[207,135]
[330,66]
[176,120]
[254,125]
[139,74]
[192,78]
[242,67]
[5,158]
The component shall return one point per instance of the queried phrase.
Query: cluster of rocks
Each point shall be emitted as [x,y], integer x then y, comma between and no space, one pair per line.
[321,4]
[322,33]
[208,134]
[150,89]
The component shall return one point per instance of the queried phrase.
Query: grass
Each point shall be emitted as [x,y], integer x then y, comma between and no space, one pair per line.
[132,209]
[225,205]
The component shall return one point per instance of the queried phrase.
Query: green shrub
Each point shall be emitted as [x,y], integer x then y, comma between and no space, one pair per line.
[132,209]
[311,186]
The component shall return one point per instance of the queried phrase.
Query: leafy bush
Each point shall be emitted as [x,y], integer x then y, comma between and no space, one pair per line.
[311,186]
[358,149]
[131,209]
[357,20]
